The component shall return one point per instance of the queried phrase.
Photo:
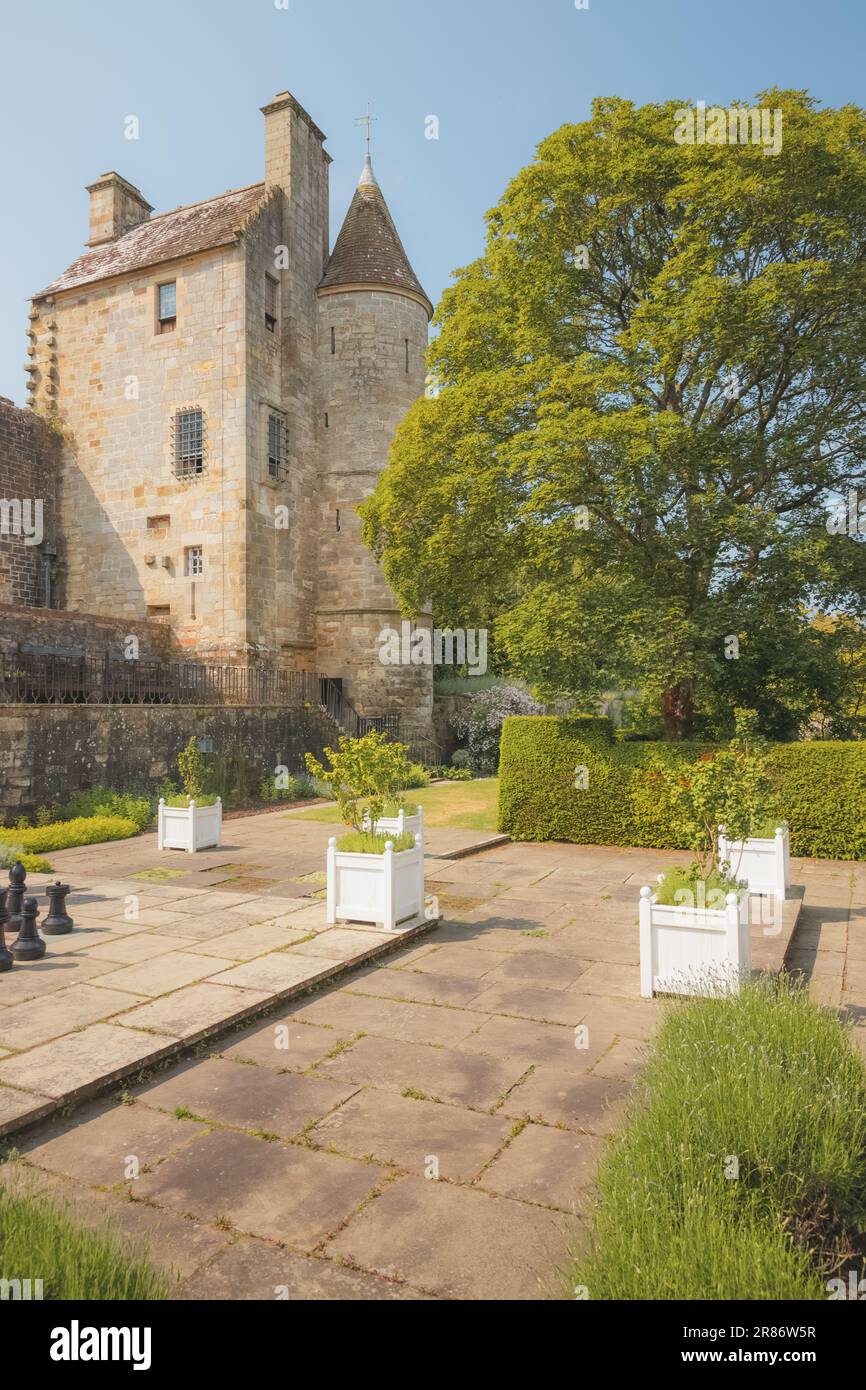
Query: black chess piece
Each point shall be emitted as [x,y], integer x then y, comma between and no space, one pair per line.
[7,960]
[58,920]
[17,889]
[29,945]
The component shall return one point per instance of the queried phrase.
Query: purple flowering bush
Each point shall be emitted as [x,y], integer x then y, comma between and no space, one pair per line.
[480,723]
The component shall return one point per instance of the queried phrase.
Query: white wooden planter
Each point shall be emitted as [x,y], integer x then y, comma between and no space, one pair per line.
[385,889]
[401,824]
[693,950]
[765,864]
[189,827]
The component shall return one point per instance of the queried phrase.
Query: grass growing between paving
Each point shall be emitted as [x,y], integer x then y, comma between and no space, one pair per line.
[39,1240]
[448,805]
[742,1170]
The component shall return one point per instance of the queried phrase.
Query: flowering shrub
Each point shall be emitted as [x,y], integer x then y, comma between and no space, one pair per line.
[480,722]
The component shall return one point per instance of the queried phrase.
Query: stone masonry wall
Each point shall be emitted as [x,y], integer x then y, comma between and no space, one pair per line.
[49,751]
[126,519]
[28,474]
[366,390]
[76,634]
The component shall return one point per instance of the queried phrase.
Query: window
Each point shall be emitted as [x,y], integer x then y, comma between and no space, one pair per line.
[188,442]
[167,307]
[193,561]
[276,445]
[327,421]
[270,303]
[333,341]
[407,354]
[158,610]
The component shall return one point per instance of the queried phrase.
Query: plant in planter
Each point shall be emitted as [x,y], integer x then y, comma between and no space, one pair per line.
[376,873]
[695,927]
[193,820]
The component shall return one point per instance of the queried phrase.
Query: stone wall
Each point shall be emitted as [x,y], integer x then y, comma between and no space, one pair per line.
[77,634]
[126,519]
[28,476]
[366,390]
[49,751]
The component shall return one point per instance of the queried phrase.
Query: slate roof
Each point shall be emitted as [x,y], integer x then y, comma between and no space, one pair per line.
[368,250]
[197,227]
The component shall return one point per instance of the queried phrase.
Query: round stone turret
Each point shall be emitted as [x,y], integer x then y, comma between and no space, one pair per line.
[373,332]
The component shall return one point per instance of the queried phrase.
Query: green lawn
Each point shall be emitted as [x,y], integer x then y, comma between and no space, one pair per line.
[39,1240]
[451,805]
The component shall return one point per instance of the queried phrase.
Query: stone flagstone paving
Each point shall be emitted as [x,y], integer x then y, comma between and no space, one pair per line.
[423,1127]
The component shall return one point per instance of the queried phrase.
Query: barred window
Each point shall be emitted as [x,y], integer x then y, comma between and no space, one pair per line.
[189,442]
[276,445]
[194,555]
[270,303]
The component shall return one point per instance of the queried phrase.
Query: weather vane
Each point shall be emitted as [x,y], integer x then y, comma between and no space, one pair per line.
[368,122]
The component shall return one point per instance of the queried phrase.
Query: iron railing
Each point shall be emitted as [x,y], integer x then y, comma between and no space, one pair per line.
[41,678]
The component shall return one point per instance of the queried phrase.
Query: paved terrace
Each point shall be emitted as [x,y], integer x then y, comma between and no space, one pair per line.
[296,1151]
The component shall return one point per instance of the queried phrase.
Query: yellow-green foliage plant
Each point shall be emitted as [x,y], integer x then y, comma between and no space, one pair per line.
[365,773]
[67,834]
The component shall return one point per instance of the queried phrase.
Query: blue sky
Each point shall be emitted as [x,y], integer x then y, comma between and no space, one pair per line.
[498,74]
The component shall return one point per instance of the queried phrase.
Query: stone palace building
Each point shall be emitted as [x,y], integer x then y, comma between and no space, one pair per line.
[223,393]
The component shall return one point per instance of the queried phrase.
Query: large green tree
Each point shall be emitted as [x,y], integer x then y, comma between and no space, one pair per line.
[649,386]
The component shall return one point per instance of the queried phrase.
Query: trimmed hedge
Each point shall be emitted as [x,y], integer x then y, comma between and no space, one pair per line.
[67,834]
[821,788]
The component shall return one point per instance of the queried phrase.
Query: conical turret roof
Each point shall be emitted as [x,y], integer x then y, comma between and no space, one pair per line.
[368,250]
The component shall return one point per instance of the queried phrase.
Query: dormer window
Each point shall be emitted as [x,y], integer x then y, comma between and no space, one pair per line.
[167,307]
[270,303]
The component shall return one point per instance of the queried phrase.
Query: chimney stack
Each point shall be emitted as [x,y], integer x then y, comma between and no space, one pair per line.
[115,206]
[285,119]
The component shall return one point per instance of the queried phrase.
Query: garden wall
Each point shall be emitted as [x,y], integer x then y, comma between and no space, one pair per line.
[47,752]
[821,788]
[65,633]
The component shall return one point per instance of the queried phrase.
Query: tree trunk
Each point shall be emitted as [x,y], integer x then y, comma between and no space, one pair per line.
[678,708]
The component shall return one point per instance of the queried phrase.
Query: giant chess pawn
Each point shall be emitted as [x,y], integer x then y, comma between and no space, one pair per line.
[29,945]
[7,960]
[17,887]
[58,920]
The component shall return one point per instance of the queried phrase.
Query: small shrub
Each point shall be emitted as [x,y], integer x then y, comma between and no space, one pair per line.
[452,774]
[33,863]
[693,887]
[480,723]
[365,842]
[417,776]
[183,800]
[85,830]
[102,801]
[461,760]
[729,787]
[364,773]
[192,767]
[164,789]
[297,788]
